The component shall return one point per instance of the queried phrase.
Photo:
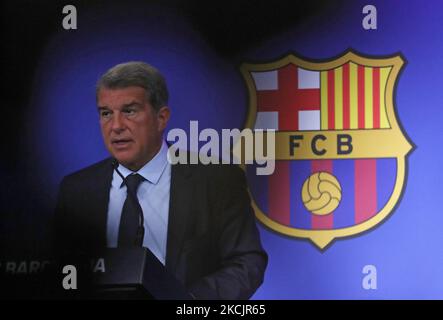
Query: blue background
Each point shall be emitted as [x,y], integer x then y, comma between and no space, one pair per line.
[63,132]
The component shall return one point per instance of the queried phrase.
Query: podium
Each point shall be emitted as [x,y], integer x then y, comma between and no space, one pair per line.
[134,273]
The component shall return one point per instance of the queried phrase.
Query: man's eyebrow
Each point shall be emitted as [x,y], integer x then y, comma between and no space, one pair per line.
[127,105]
[131,104]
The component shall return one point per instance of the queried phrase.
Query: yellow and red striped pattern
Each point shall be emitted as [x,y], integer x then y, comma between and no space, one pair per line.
[353,97]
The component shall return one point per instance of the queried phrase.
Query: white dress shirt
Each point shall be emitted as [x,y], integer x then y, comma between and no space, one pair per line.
[153,195]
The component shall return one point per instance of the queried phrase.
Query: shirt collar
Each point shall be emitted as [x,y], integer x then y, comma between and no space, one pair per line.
[151,171]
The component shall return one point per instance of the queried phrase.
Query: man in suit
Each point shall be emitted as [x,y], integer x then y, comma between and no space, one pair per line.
[198,218]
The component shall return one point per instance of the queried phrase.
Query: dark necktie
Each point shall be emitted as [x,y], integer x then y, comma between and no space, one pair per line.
[129,221]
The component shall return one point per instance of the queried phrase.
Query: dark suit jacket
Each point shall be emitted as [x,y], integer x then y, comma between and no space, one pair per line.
[213,245]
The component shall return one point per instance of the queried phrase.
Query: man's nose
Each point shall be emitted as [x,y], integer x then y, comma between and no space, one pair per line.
[118,123]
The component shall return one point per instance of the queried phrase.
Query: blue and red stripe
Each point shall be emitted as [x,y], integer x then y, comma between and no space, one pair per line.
[300,217]
[344,214]
[367,185]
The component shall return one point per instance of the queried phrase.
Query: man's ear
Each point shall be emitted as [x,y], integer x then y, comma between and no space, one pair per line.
[163,117]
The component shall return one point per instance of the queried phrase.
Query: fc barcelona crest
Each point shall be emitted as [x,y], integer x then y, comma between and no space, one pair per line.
[341,154]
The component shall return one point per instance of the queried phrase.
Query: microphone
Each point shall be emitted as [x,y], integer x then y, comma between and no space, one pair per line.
[133,197]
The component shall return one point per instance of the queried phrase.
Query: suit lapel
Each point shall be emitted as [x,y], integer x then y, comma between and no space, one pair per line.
[100,206]
[179,209]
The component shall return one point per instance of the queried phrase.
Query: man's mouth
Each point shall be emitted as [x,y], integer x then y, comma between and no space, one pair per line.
[121,142]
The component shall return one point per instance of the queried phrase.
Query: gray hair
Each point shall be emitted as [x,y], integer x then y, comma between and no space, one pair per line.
[138,74]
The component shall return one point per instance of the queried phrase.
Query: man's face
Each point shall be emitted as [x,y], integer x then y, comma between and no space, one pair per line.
[132,130]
